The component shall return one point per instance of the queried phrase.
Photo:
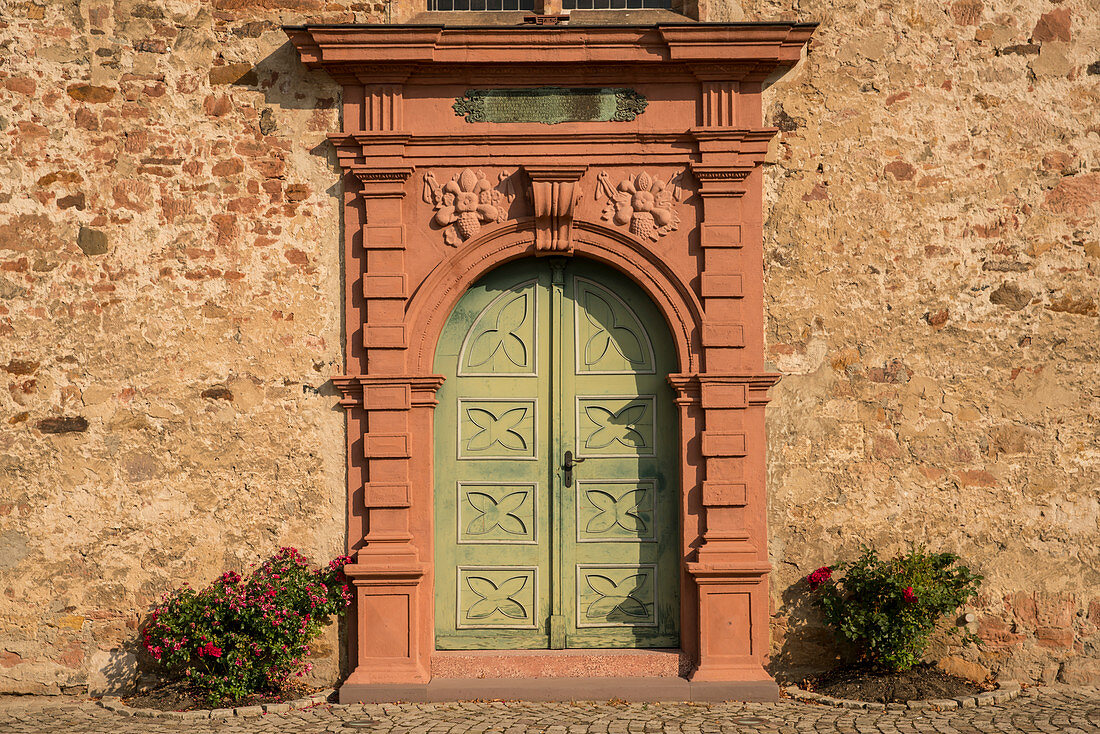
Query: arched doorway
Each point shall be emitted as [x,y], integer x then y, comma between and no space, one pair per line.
[649,159]
[556,464]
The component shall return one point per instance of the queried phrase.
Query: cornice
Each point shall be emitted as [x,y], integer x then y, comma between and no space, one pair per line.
[741,50]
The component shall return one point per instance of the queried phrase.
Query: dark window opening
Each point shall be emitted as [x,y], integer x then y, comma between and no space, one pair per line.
[529,5]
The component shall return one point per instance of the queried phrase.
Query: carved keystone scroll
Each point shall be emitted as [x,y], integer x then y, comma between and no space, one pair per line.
[554,191]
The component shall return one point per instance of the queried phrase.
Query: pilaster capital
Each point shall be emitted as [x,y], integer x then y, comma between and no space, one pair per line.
[718,390]
[387,392]
[382,182]
[721,180]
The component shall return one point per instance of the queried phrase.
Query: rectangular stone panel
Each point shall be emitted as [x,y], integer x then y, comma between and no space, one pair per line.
[730,621]
[550,105]
[723,444]
[384,236]
[392,337]
[717,395]
[388,616]
[387,397]
[724,494]
[385,495]
[386,446]
[718,334]
[384,286]
[720,235]
[720,286]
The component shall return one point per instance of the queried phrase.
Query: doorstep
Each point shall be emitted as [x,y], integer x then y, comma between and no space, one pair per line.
[562,689]
[635,675]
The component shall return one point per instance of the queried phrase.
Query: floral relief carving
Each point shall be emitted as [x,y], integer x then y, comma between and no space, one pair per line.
[494,599]
[642,202]
[466,202]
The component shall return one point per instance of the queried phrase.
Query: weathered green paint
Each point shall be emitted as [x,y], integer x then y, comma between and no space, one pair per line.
[541,357]
[551,105]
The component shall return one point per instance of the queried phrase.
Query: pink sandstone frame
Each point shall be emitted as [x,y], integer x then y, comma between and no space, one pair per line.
[549,189]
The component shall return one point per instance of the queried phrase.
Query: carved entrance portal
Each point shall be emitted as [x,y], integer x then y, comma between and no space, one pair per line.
[556,479]
[639,149]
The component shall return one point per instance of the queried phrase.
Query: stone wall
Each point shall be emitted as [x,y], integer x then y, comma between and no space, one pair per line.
[170,311]
[933,249]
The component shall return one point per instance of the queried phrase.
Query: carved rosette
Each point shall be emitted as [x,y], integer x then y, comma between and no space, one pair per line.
[466,202]
[643,203]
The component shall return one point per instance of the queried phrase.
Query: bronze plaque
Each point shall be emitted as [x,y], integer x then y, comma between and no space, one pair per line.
[551,105]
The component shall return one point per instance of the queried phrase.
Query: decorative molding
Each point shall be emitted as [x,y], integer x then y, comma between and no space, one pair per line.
[642,202]
[720,173]
[466,202]
[420,390]
[555,191]
[372,175]
[713,390]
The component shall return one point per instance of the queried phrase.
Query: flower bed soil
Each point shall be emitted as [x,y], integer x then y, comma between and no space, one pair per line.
[882,686]
[178,697]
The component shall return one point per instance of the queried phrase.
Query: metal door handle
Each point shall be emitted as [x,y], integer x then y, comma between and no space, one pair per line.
[570,462]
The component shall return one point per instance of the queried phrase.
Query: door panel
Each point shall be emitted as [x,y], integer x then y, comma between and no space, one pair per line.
[492,496]
[542,357]
[624,502]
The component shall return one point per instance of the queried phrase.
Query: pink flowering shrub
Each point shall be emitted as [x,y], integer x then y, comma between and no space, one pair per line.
[240,636]
[889,609]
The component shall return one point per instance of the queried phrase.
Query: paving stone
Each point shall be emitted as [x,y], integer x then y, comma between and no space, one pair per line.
[1054,709]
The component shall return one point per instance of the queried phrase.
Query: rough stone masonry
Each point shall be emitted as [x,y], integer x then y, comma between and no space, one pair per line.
[170,303]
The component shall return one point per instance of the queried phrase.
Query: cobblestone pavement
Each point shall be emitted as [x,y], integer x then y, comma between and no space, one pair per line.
[1050,709]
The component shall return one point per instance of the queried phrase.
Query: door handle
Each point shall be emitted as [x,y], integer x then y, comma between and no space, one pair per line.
[570,462]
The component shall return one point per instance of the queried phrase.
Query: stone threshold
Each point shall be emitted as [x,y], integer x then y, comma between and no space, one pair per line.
[574,663]
[648,689]
[114,703]
[1006,691]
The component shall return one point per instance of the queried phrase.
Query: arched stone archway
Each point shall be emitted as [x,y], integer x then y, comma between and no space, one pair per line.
[428,308]
[655,172]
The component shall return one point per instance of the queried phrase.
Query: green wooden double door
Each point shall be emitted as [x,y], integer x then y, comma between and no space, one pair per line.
[556,471]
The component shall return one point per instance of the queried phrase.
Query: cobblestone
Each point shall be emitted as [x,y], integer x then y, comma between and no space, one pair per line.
[1050,709]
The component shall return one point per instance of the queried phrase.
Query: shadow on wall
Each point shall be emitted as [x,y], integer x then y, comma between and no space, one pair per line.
[120,671]
[285,83]
[807,647]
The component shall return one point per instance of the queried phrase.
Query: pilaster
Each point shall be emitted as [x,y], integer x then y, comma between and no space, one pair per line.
[389,571]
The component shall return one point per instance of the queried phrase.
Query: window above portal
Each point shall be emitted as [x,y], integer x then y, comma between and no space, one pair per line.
[529,5]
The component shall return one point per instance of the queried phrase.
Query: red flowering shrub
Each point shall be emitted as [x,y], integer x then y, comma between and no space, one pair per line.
[889,609]
[818,577]
[240,636]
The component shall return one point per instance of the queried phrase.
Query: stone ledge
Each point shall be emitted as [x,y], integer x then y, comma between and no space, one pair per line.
[1005,691]
[114,703]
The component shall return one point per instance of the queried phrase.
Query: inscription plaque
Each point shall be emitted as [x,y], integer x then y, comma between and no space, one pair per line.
[551,105]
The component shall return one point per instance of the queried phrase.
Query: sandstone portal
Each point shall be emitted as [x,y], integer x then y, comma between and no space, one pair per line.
[631,151]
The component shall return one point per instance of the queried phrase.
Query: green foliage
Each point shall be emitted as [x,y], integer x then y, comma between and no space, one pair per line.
[240,636]
[889,609]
